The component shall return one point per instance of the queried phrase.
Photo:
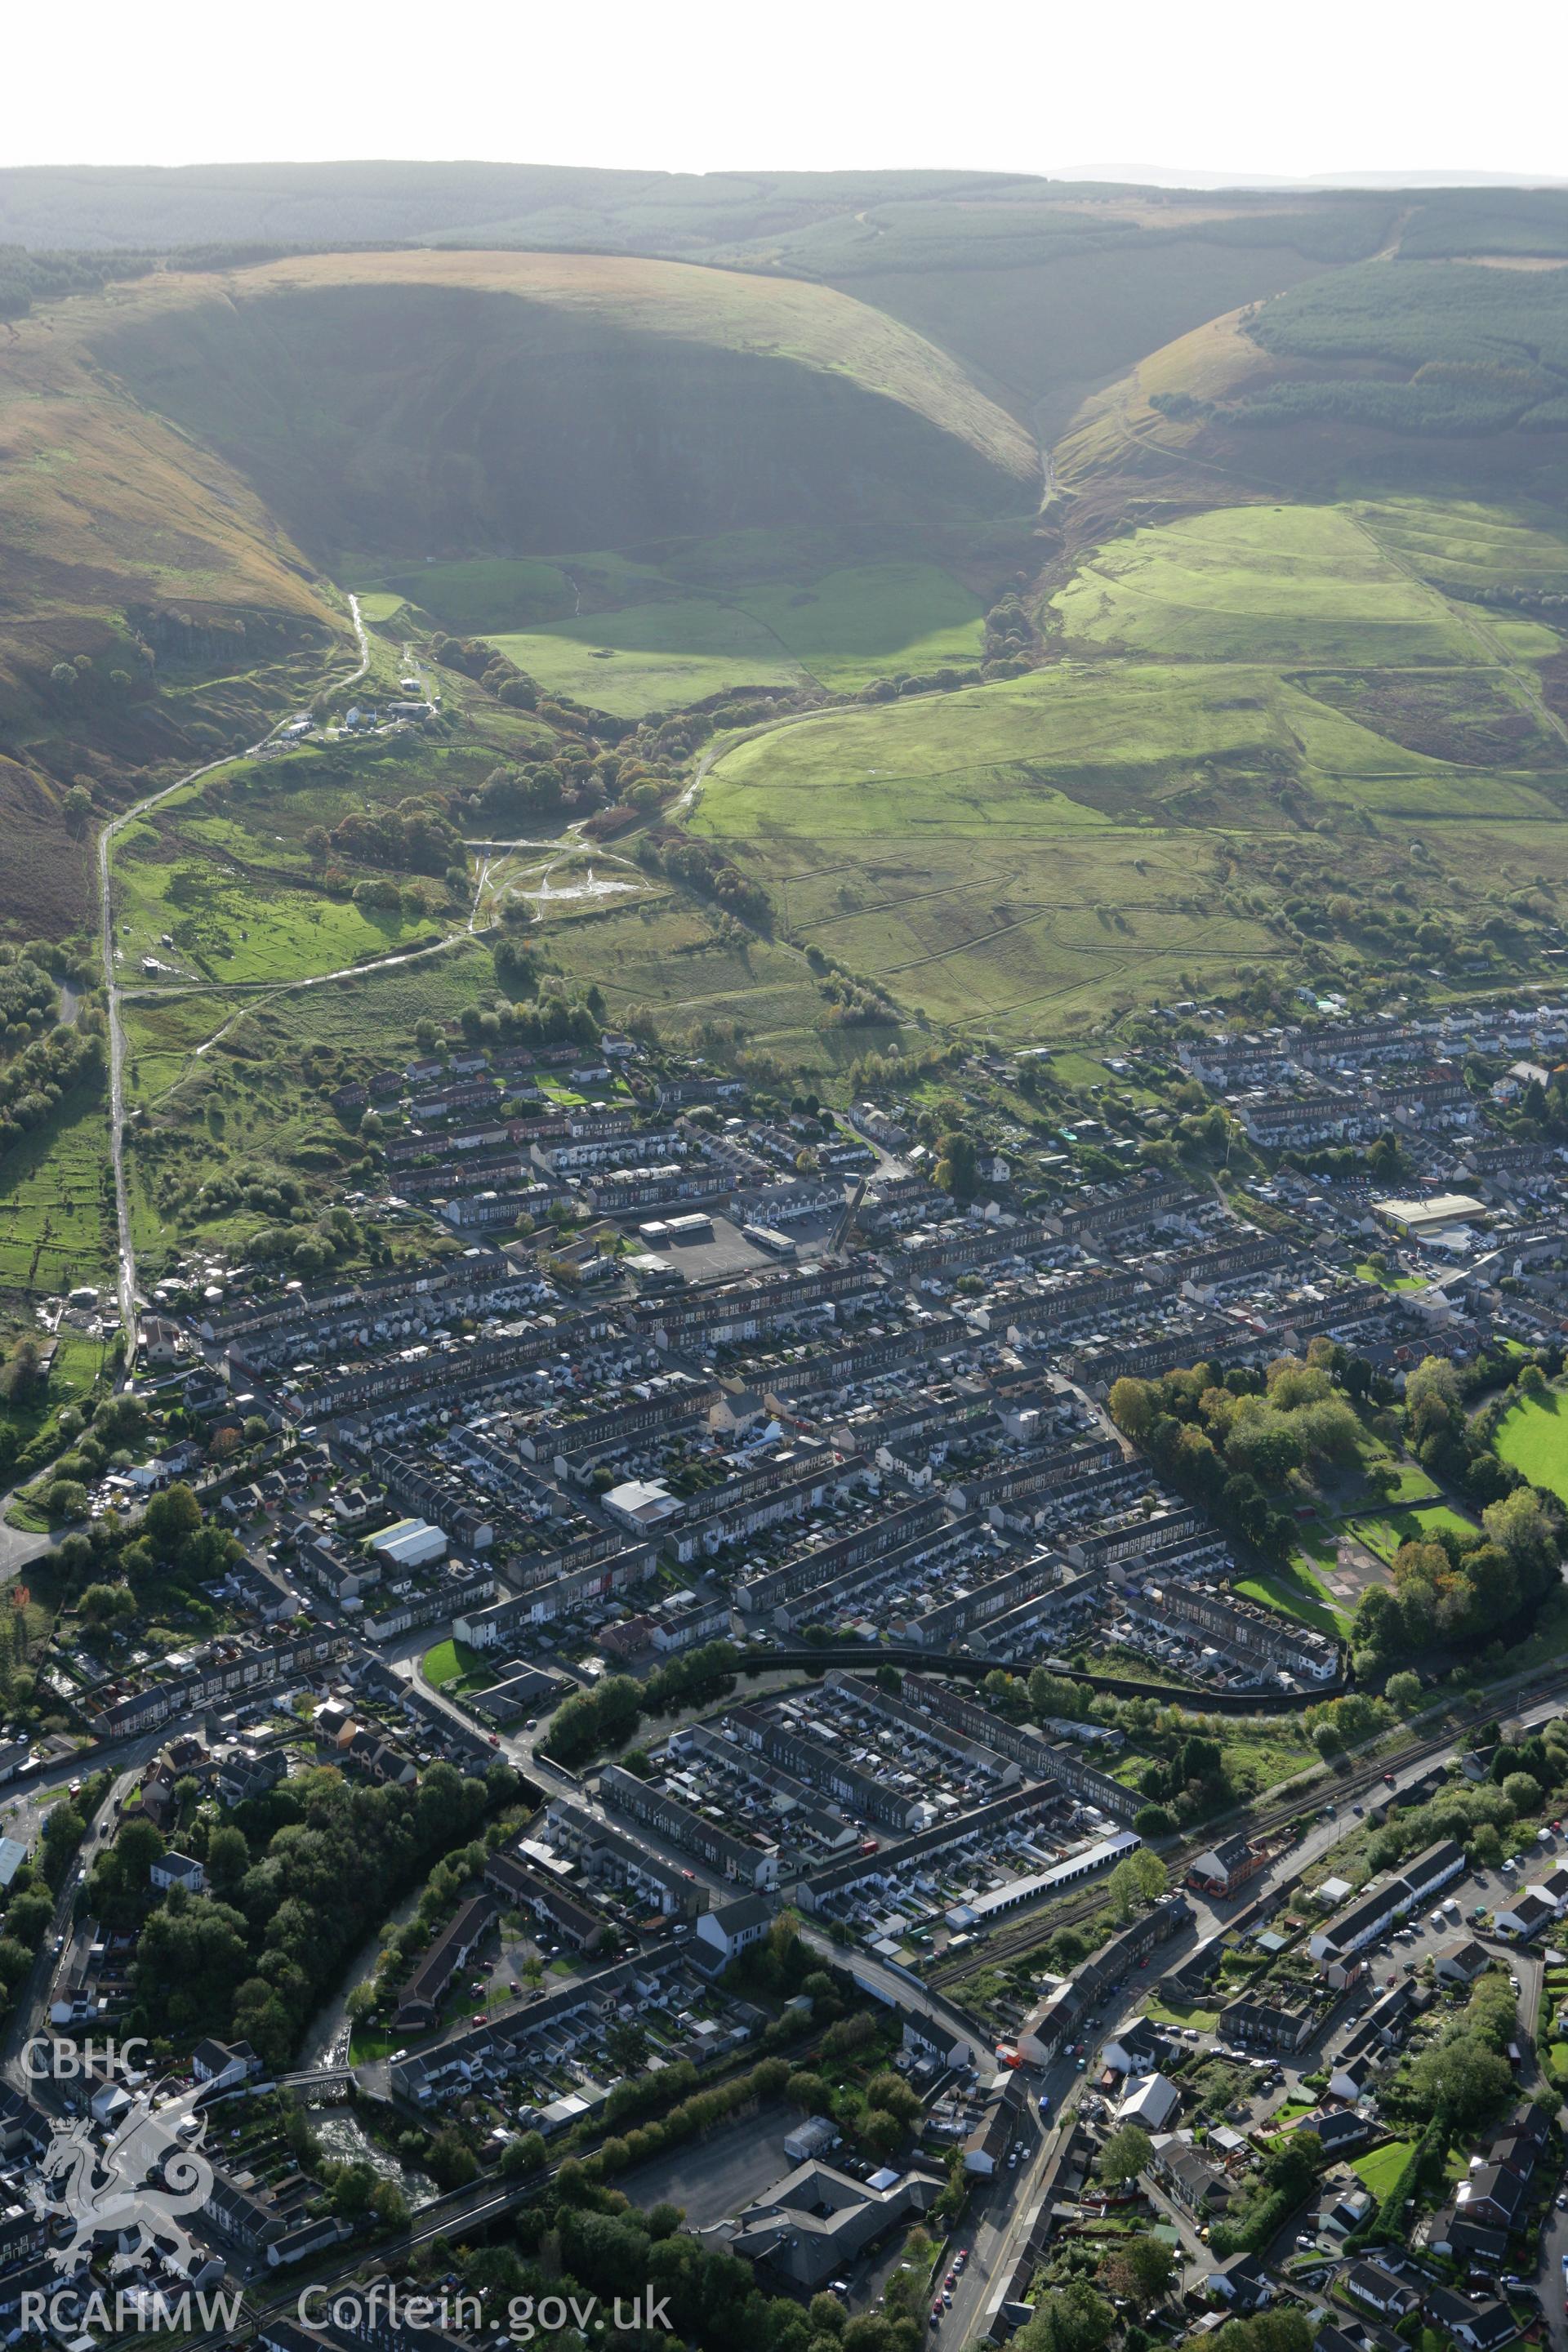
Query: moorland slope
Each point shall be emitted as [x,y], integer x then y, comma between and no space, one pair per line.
[389,401]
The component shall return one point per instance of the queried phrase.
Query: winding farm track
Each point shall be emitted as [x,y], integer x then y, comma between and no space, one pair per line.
[126,1271]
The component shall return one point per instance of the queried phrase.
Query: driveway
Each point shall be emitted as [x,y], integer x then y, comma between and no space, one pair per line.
[16,1546]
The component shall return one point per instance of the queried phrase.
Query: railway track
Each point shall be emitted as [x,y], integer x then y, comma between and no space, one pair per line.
[1264,1821]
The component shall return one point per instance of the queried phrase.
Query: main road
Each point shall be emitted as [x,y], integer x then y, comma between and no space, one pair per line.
[126,1271]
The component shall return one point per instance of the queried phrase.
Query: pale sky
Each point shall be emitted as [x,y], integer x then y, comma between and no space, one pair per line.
[1226,86]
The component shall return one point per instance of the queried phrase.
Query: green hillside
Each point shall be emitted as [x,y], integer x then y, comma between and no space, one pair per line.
[1262,713]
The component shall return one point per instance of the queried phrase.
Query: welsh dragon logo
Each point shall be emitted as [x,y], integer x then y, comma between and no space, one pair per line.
[142,2181]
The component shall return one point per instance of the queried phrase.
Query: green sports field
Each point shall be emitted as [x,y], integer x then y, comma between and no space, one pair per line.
[1534,1437]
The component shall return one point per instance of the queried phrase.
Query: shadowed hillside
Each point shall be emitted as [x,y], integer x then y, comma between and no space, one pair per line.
[186,457]
[401,402]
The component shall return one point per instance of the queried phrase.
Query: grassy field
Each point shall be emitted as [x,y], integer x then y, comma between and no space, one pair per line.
[1523,640]
[651,656]
[226,926]
[843,626]
[769,603]
[1296,584]
[1459,545]
[1014,852]
[1392,1283]
[1298,1591]
[1533,1436]
[1062,748]
[1027,934]
[56,1222]
[1202,2021]
[868,620]
[667,956]
[161,1039]
[1211,745]
[1415,1485]
[1380,2168]
[1384,1532]
[469,597]
[1261,1751]
[452,1665]
[1030,852]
